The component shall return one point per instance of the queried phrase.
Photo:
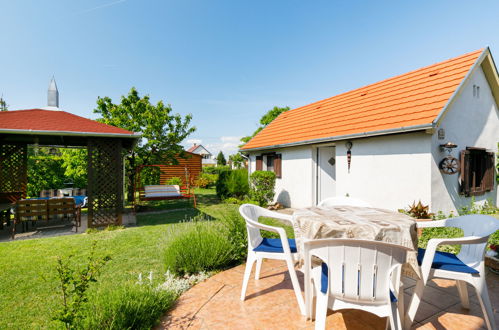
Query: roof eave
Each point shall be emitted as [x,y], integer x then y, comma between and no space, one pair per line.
[68,133]
[346,137]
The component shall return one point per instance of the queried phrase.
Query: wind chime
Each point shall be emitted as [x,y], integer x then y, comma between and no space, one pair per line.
[349,154]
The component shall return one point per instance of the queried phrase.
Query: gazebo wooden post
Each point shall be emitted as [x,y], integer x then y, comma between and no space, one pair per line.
[105,182]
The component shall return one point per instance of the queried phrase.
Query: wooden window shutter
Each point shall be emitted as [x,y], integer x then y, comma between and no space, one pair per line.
[277,165]
[490,172]
[465,172]
[259,163]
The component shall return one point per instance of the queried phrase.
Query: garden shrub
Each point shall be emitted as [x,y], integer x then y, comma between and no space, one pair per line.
[450,232]
[74,281]
[174,181]
[133,306]
[234,228]
[233,183]
[262,187]
[221,186]
[206,180]
[237,183]
[150,175]
[197,246]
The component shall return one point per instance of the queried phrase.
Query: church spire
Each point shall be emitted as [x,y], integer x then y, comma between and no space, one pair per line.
[53,94]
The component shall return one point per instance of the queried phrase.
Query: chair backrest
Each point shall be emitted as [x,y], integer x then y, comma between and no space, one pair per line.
[474,225]
[340,200]
[31,209]
[251,214]
[358,270]
[61,207]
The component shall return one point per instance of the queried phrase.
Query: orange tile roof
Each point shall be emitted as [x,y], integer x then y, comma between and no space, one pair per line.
[414,98]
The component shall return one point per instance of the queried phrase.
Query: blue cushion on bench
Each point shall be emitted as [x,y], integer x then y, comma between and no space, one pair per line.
[275,245]
[446,261]
[325,282]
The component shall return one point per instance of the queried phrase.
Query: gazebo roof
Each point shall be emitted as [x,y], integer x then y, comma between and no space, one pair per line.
[55,127]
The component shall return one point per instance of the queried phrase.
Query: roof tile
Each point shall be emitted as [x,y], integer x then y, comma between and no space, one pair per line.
[53,120]
[410,99]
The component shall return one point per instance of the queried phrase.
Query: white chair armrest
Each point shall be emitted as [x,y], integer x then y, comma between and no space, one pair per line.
[277,215]
[431,249]
[278,230]
[431,224]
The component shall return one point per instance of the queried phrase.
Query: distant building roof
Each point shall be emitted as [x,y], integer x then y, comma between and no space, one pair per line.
[41,121]
[412,100]
[198,149]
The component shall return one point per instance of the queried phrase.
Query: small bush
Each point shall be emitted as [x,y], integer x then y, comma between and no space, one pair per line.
[206,180]
[174,181]
[234,228]
[133,306]
[215,170]
[233,200]
[262,187]
[233,183]
[221,186]
[75,281]
[197,246]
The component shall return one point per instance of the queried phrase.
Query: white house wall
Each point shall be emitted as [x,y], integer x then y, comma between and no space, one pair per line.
[295,187]
[387,171]
[469,122]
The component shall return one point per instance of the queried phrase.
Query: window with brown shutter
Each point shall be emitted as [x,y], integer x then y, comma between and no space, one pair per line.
[272,161]
[259,163]
[477,171]
[277,165]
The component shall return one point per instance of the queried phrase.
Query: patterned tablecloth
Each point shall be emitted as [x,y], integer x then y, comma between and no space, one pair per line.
[358,223]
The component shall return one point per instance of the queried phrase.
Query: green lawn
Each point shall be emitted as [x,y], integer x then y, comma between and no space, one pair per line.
[28,287]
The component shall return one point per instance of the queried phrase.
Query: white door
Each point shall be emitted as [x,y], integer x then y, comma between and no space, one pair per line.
[326,173]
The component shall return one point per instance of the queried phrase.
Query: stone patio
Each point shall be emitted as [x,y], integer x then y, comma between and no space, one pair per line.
[271,304]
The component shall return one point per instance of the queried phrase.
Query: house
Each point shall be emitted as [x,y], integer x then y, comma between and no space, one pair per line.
[207,156]
[430,135]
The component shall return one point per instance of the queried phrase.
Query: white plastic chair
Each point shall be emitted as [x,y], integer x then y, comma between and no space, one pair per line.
[354,274]
[263,248]
[340,200]
[466,267]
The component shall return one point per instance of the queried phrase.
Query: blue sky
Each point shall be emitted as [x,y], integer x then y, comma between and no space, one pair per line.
[226,62]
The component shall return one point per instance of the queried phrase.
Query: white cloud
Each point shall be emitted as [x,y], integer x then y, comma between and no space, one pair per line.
[227,144]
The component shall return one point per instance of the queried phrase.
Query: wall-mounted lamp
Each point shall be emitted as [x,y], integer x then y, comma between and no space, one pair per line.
[448,147]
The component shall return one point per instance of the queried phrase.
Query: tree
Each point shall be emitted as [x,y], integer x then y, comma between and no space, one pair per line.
[162,131]
[3,105]
[266,119]
[221,159]
[237,160]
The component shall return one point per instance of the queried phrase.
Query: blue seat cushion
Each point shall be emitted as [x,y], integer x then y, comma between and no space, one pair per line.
[275,245]
[446,261]
[324,282]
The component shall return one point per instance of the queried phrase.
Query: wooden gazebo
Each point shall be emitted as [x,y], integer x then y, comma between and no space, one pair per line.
[106,149]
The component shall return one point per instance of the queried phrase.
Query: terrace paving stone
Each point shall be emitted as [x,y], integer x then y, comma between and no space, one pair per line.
[271,304]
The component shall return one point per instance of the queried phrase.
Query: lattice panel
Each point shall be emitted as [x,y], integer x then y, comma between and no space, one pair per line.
[13,168]
[105,182]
